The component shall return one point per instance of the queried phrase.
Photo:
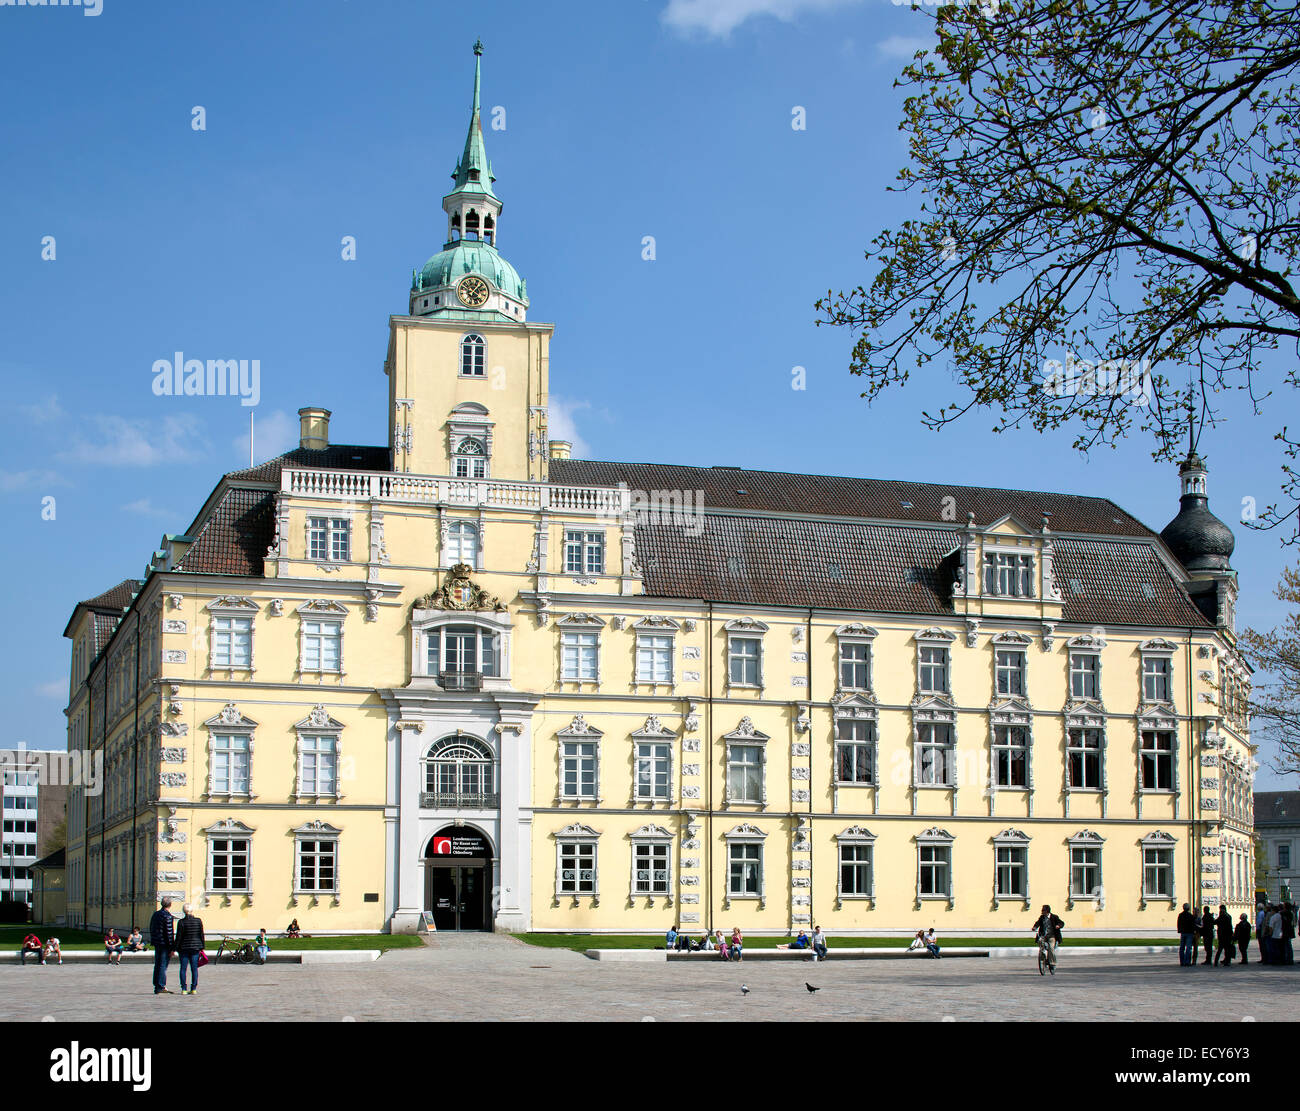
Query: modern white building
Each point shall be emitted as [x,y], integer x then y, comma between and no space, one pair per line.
[18,804]
[1277,827]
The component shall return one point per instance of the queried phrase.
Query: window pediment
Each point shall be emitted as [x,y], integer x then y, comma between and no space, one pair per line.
[935,836]
[1088,642]
[746,831]
[1008,639]
[1012,836]
[857,630]
[859,834]
[934,636]
[580,619]
[229,827]
[656,624]
[1158,646]
[577,831]
[650,833]
[319,721]
[1086,837]
[230,718]
[318,607]
[316,828]
[1156,715]
[1084,713]
[746,731]
[578,727]
[1010,711]
[230,603]
[1158,838]
[745,625]
[933,707]
[653,728]
[859,705]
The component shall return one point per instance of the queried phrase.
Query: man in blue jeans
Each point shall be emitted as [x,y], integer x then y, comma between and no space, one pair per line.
[819,943]
[162,936]
[1187,937]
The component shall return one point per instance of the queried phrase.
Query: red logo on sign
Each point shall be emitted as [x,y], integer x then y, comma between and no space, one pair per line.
[442,846]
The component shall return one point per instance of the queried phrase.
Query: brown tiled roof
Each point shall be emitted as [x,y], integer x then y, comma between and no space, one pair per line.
[878,499]
[104,624]
[234,538]
[888,568]
[336,457]
[1277,808]
[116,598]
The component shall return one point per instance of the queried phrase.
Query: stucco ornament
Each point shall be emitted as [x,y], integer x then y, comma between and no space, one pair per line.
[460,592]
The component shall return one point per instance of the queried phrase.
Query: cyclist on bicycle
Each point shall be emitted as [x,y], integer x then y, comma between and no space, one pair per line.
[1047,930]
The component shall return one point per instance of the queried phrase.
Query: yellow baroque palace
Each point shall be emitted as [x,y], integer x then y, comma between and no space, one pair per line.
[467,681]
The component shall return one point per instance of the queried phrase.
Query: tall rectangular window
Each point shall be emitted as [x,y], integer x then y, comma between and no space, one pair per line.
[855,751]
[1085,871]
[1157,760]
[1085,675]
[936,869]
[1012,870]
[744,655]
[744,773]
[1011,755]
[577,867]
[578,770]
[1010,667]
[855,869]
[322,643]
[578,655]
[230,764]
[229,863]
[650,866]
[744,869]
[584,552]
[318,765]
[328,538]
[1284,856]
[1158,873]
[1156,675]
[318,865]
[1083,753]
[934,754]
[855,666]
[654,658]
[934,670]
[652,770]
[232,641]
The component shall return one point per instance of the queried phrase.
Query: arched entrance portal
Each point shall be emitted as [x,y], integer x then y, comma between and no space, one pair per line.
[458,879]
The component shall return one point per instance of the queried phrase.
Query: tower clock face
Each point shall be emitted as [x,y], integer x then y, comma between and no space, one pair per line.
[472,291]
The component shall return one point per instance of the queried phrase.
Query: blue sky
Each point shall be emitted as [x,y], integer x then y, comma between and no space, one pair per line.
[664,118]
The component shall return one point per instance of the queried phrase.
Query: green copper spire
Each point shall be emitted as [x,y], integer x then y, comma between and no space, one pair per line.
[474,171]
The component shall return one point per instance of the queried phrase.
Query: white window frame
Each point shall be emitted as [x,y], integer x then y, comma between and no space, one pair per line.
[1020,672]
[653,733]
[578,732]
[935,839]
[1156,756]
[476,361]
[855,837]
[336,533]
[322,611]
[229,829]
[749,631]
[577,835]
[589,546]
[425,622]
[318,724]
[1081,841]
[471,453]
[231,609]
[998,747]
[1008,573]
[1099,749]
[932,722]
[1081,648]
[746,835]
[871,742]
[574,627]
[745,735]
[1017,841]
[923,665]
[1158,841]
[651,837]
[654,627]
[229,722]
[454,549]
[323,833]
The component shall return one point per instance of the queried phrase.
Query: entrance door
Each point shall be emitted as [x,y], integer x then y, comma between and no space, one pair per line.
[458,895]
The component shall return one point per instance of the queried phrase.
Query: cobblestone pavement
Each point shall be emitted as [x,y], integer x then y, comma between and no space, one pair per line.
[487,978]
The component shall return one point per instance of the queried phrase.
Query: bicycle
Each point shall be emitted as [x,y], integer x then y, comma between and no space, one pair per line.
[1046,956]
[234,950]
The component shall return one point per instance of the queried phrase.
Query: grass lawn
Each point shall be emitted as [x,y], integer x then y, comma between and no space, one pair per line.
[11,938]
[582,942]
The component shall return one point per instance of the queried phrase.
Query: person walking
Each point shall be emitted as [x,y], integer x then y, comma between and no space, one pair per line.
[819,943]
[1275,935]
[189,944]
[1207,933]
[1187,937]
[1223,928]
[1261,932]
[162,936]
[1243,937]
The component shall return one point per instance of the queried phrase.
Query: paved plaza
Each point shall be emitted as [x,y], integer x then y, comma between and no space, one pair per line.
[483,977]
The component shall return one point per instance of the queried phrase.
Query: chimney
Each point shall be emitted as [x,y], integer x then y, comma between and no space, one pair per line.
[315,428]
[560,449]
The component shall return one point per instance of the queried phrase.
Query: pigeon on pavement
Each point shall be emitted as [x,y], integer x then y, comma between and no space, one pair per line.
[810,988]
[744,989]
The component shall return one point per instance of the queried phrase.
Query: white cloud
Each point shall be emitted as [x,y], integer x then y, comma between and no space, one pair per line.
[43,412]
[146,508]
[562,424]
[14,481]
[274,433]
[56,688]
[721,17]
[903,46]
[118,442]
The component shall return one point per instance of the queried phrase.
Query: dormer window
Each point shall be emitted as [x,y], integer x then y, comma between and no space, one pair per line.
[1009,575]
[470,460]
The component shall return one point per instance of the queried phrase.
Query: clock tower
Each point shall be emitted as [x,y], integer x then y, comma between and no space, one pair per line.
[467,372]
